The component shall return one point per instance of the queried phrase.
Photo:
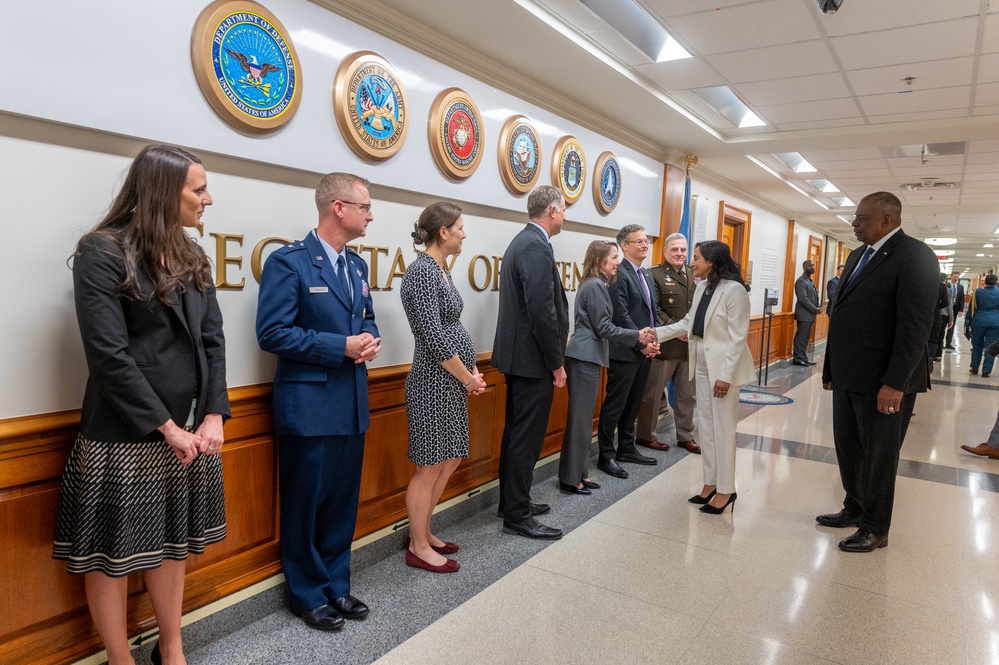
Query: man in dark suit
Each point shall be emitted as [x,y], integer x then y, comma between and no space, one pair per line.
[805,309]
[634,308]
[957,299]
[531,333]
[831,287]
[673,295]
[314,313]
[876,362]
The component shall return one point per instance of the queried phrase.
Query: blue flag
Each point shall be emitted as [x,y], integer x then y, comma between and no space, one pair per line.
[685,216]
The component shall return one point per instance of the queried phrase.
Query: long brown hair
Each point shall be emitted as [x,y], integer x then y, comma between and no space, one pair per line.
[143,221]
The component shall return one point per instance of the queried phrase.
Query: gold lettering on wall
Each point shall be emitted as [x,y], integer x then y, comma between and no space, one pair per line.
[223,260]
[373,252]
[397,270]
[476,286]
[256,265]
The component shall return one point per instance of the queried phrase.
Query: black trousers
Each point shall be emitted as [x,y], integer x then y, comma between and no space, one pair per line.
[950,332]
[801,335]
[944,330]
[868,443]
[622,399]
[528,405]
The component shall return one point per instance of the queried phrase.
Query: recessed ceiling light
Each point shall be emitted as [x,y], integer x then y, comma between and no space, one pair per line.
[988,244]
[842,201]
[796,162]
[846,218]
[940,242]
[725,103]
[639,27]
[944,252]
[979,255]
[823,185]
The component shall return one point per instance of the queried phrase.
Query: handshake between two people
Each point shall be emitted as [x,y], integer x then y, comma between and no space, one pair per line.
[648,337]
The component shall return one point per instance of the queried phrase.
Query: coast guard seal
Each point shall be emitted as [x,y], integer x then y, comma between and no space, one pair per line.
[245,65]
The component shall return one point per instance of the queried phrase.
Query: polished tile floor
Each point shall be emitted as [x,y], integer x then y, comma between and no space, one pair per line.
[652,580]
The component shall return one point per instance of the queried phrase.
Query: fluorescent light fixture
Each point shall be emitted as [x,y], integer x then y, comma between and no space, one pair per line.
[944,252]
[847,219]
[940,242]
[842,201]
[988,245]
[787,182]
[795,162]
[823,185]
[979,255]
[725,103]
[639,27]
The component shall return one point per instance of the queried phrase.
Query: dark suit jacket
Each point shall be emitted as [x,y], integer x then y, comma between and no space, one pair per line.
[673,295]
[959,300]
[630,309]
[831,288]
[807,303]
[147,360]
[883,319]
[533,322]
[594,324]
[304,318]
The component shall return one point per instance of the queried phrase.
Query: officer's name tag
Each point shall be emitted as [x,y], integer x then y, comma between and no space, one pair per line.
[319,289]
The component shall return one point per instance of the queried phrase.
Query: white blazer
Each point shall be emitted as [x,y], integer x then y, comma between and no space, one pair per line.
[726,327]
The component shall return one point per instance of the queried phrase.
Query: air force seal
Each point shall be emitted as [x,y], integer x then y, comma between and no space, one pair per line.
[456,137]
[569,168]
[607,183]
[370,106]
[519,155]
[246,66]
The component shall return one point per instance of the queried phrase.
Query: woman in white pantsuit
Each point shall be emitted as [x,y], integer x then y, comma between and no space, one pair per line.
[720,361]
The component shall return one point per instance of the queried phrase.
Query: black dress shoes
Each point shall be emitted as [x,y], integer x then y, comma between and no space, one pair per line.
[864,541]
[612,468]
[323,617]
[637,458]
[531,528]
[800,363]
[572,489]
[838,520]
[590,485]
[536,509]
[350,608]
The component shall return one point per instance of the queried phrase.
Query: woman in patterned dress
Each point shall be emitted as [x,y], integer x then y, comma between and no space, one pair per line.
[441,379]
[143,485]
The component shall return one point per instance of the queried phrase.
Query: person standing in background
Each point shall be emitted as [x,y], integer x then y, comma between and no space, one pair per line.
[831,287]
[957,297]
[806,307]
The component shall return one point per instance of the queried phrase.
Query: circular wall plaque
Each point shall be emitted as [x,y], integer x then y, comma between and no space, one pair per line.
[607,183]
[456,139]
[246,65]
[519,154]
[569,168]
[370,106]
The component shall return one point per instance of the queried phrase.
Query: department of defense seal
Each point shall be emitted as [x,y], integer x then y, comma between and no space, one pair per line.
[519,154]
[607,183]
[246,65]
[456,137]
[370,106]
[569,168]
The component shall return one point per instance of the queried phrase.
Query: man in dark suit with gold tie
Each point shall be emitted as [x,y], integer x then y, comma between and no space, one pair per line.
[875,364]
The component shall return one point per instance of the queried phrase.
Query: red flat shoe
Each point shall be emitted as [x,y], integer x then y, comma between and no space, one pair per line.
[446,548]
[449,566]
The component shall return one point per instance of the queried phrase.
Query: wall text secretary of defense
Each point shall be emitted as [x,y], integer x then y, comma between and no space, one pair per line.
[483,270]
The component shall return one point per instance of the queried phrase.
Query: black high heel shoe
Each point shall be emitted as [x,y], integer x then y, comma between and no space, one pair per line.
[572,489]
[154,655]
[697,498]
[711,510]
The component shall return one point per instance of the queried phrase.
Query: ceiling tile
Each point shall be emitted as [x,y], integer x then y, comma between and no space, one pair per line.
[902,45]
[612,41]
[990,40]
[794,89]
[866,16]
[992,167]
[748,26]
[933,74]
[822,110]
[984,146]
[972,179]
[986,110]
[912,117]
[800,59]
[847,155]
[667,8]
[987,94]
[680,74]
[983,158]
[816,124]
[870,173]
[988,68]
[917,101]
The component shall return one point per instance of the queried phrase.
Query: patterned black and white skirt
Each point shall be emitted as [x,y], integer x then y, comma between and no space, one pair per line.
[126,507]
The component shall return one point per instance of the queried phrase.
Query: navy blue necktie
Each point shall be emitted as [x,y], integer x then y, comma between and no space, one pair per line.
[863,262]
[341,265]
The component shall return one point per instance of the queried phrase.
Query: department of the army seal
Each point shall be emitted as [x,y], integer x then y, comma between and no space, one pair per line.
[246,65]
[607,183]
[456,138]
[569,168]
[519,154]
[370,106]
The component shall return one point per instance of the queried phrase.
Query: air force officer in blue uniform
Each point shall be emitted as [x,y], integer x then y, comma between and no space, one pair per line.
[314,313]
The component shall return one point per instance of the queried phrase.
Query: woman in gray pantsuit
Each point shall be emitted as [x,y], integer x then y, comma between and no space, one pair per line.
[586,353]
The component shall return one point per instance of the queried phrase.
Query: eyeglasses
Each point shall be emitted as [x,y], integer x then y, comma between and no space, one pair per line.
[365,207]
[640,243]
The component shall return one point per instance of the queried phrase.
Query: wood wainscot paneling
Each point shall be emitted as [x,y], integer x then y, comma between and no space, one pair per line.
[781,337]
[43,613]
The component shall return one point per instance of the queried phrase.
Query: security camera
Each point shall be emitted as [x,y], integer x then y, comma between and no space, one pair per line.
[829,6]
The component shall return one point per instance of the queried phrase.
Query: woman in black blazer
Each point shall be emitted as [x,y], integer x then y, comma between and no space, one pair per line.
[143,485]
[586,353]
